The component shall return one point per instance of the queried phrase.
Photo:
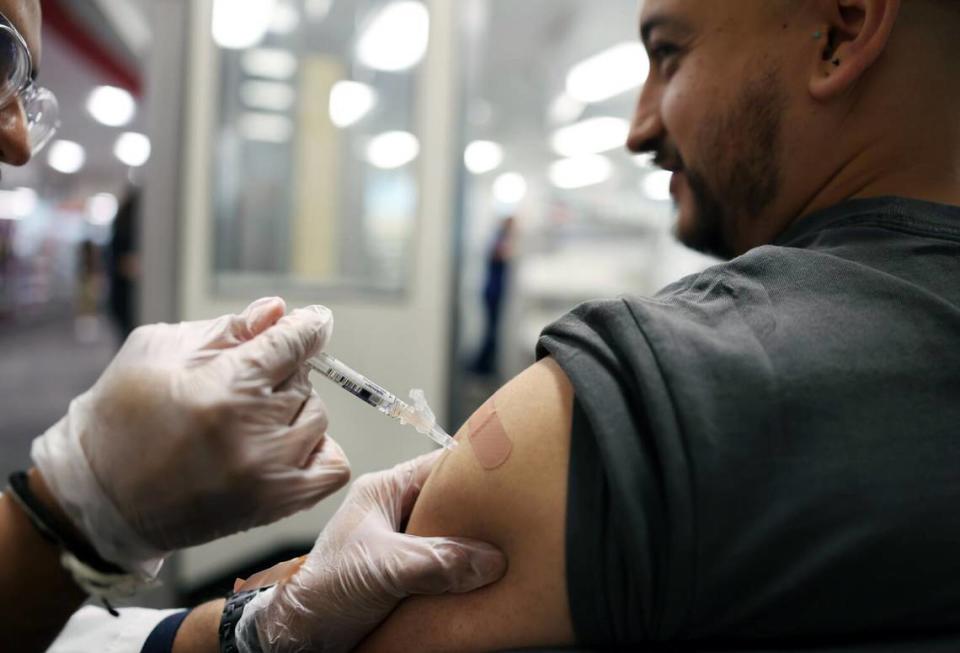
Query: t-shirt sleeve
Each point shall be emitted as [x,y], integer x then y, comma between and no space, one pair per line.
[629,513]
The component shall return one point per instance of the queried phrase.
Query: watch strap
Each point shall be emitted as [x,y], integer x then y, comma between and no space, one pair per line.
[97,577]
[232,611]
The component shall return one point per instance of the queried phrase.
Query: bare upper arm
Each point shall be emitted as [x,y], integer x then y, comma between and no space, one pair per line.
[520,507]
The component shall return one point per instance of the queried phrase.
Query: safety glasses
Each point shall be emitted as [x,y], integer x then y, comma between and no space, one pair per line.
[16,83]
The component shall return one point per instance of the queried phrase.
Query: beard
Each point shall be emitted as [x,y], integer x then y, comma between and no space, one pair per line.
[744,148]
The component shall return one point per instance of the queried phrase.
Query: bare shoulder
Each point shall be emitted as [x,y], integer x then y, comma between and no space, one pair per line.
[506,484]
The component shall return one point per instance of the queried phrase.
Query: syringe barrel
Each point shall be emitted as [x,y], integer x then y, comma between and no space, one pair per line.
[353,382]
[419,417]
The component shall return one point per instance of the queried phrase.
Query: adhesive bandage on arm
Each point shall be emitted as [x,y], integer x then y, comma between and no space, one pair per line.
[488,439]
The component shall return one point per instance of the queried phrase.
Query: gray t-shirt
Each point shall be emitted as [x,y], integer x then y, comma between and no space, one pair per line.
[767,455]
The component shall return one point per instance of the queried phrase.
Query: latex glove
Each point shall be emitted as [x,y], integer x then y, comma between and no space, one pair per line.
[361,567]
[195,431]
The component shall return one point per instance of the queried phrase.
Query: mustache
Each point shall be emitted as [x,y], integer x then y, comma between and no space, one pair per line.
[666,156]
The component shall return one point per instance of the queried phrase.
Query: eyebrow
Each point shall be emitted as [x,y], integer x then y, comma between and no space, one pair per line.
[660,20]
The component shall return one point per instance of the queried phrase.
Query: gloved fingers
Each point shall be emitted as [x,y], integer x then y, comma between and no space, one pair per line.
[297,383]
[227,331]
[327,468]
[275,355]
[291,488]
[263,314]
[295,392]
[393,492]
[413,475]
[437,565]
[307,431]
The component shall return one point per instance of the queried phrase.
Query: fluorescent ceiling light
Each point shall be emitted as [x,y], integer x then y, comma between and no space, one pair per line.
[268,96]
[482,157]
[565,110]
[656,185]
[266,127]
[285,20]
[396,38]
[350,102]
[102,209]
[132,149]
[111,106]
[393,150]
[17,204]
[581,172]
[608,74]
[271,63]
[241,25]
[66,157]
[510,188]
[317,10]
[591,136]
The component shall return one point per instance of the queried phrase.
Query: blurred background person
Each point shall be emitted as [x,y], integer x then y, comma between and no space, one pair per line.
[124,265]
[494,296]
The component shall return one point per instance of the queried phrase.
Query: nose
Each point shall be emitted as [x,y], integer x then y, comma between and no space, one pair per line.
[646,129]
[14,135]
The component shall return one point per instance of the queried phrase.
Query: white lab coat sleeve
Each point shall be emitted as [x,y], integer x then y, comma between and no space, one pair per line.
[94,629]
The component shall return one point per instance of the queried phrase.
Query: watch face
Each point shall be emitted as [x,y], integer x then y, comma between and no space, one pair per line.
[232,612]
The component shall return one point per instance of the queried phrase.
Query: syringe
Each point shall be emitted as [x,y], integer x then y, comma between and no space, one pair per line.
[418,416]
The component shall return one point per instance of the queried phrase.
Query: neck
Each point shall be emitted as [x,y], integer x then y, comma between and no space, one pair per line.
[923,169]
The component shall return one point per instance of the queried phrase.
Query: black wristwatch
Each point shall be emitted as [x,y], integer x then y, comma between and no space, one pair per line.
[232,611]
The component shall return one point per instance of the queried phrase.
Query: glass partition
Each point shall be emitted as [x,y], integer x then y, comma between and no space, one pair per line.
[315,177]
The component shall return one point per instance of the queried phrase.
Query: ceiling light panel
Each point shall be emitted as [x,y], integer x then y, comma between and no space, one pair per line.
[317,10]
[396,38]
[66,157]
[241,25]
[268,96]
[482,157]
[350,102]
[581,172]
[620,69]
[111,106]
[510,188]
[564,109]
[286,19]
[591,136]
[266,128]
[132,149]
[269,63]
[392,150]
[102,209]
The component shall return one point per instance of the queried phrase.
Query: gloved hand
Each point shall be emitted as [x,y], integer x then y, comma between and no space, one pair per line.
[195,431]
[361,568]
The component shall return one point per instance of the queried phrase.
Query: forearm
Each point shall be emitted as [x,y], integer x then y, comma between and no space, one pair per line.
[36,592]
[199,632]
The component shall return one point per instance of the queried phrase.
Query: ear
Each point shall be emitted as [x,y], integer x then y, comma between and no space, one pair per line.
[857,32]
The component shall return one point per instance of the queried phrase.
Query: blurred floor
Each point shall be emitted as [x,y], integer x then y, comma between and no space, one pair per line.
[42,367]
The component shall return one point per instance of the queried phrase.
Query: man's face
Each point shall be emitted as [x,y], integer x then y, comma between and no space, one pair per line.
[14,137]
[712,111]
